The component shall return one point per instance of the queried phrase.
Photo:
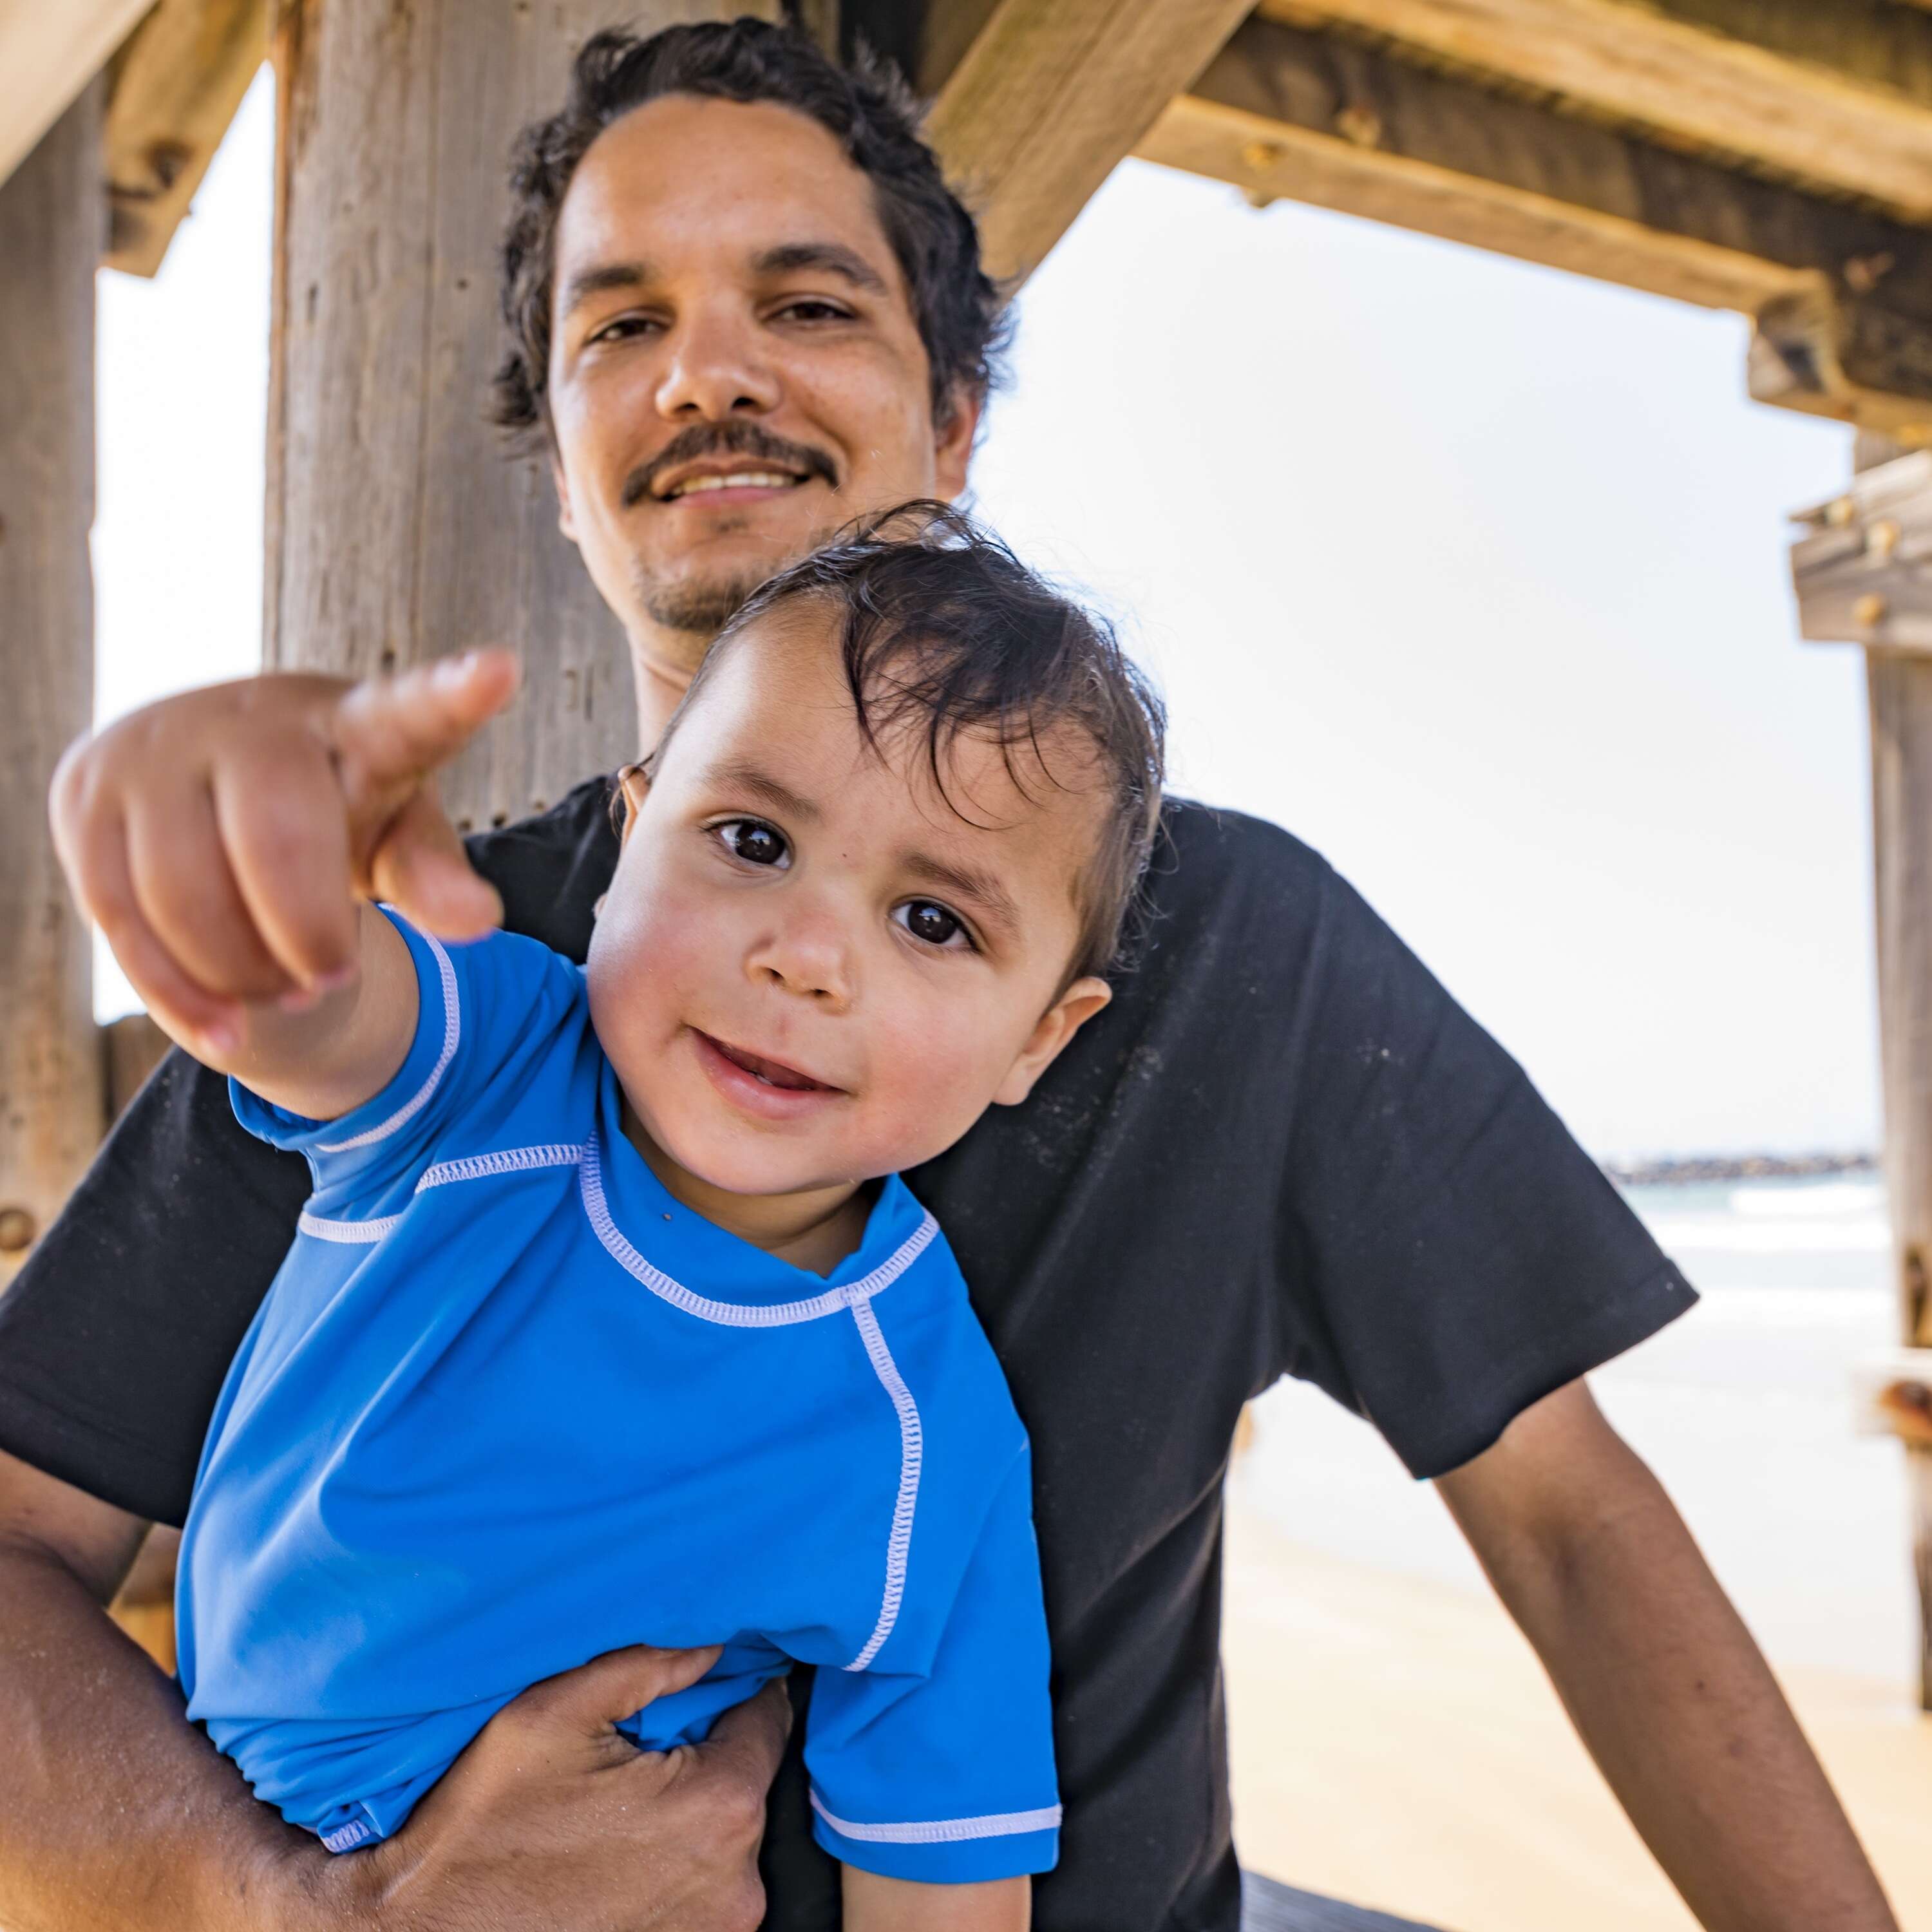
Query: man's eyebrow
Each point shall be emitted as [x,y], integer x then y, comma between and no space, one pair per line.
[599,279]
[980,889]
[834,257]
[741,776]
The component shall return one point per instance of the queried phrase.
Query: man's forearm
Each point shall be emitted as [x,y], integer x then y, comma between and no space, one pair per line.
[115,1813]
[1678,1708]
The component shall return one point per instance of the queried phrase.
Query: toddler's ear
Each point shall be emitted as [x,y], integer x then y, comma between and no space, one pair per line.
[634,783]
[1057,1025]
[597,904]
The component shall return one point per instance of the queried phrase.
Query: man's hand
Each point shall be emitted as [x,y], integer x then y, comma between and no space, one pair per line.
[552,1821]
[116,1813]
[220,838]
[1660,1677]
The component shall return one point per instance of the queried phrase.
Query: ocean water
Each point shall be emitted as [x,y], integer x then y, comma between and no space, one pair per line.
[1743,1408]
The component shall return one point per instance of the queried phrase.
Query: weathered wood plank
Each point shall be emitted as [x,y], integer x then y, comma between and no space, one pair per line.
[1047,98]
[49,50]
[174,88]
[1839,95]
[1900,690]
[52,219]
[1862,570]
[398,527]
[1272,160]
[1283,112]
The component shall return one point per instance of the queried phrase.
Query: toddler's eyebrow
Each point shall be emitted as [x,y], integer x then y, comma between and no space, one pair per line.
[740,775]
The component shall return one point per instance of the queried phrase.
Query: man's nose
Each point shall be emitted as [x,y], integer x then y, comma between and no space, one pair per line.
[716,370]
[808,956]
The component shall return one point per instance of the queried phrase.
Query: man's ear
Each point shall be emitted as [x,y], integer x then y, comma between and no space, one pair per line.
[952,448]
[1057,1025]
[564,521]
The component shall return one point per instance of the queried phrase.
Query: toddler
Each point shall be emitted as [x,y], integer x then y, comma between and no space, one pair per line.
[609,1321]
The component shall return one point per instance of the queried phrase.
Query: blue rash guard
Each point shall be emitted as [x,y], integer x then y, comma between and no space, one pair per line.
[508,1405]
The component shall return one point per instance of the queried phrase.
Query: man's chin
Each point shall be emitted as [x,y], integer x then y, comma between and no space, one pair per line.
[703,608]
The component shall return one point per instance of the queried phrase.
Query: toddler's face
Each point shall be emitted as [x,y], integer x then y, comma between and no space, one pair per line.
[810,969]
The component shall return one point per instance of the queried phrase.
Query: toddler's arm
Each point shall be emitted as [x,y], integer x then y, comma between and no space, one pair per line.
[226,841]
[877,1904]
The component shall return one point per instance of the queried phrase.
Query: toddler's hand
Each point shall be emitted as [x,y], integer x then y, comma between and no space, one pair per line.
[220,838]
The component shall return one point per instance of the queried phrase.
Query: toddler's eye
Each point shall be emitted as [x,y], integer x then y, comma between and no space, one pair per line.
[929,920]
[753,841]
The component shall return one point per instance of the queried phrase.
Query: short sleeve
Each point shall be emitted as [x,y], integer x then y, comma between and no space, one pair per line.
[948,1778]
[1449,1254]
[483,1008]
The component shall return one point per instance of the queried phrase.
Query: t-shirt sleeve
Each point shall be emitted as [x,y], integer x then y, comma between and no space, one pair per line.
[1449,1255]
[481,1008]
[948,1778]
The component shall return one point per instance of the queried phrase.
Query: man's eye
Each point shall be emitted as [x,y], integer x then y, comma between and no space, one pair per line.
[754,842]
[929,920]
[810,309]
[623,327]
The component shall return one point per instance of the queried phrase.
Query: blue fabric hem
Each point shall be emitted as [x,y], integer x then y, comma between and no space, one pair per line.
[963,1862]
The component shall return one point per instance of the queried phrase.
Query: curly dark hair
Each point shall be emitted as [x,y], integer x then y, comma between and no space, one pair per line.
[941,628]
[960,312]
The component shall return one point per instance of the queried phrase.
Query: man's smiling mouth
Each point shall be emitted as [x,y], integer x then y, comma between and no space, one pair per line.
[730,479]
[710,457]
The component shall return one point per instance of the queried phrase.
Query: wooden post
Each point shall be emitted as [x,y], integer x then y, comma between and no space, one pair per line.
[53,227]
[398,527]
[1901,690]
[1865,573]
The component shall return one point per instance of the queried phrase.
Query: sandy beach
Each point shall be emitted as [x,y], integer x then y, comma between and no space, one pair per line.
[1394,1740]
[1395,1743]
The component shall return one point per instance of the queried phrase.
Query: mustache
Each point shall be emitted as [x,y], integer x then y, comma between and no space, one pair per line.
[726,438]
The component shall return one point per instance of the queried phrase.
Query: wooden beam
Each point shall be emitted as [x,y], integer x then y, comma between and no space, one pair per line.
[399,526]
[49,50]
[1838,95]
[1050,95]
[1282,113]
[174,88]
[1863,569]
[52,219]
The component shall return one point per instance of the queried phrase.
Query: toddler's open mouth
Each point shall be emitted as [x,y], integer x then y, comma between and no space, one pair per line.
[772,1073]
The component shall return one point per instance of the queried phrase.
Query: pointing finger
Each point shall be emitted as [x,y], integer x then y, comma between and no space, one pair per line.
[389,730]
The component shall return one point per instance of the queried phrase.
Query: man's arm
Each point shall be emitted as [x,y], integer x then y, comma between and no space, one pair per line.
[1660,1676]
[115,1813]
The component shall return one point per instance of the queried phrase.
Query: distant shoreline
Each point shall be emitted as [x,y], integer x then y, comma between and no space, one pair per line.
[1681,1170]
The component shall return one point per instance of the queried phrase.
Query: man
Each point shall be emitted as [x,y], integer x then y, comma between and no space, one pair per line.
[745,310]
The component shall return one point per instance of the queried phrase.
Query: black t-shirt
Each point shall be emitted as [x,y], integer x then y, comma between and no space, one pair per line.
[1282,1149]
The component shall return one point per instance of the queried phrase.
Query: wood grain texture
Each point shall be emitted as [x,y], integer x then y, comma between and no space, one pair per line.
[399,526]
[1839,96]
[52,219]
[1862,569]
[1048,97]
[1900,693]
[173,88]
[49,50]
[1284,112]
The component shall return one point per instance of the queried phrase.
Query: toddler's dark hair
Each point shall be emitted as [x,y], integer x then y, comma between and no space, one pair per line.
[942,626]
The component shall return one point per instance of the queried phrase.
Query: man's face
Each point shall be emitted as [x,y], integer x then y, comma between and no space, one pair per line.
[735,370]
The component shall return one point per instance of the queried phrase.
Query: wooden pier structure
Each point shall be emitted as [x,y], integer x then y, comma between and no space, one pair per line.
[1772,158]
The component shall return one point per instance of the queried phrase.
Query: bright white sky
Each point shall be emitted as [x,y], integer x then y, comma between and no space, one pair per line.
[1470,574]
